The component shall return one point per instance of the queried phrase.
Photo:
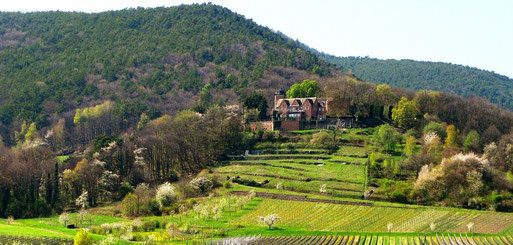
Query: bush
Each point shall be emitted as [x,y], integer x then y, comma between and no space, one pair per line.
[166,194]
[202,184]
[124,189]
[247,182]
[227,184]
[267,146]
[324,140]
[434,127]
[131,205]
[154,207]
[83,238]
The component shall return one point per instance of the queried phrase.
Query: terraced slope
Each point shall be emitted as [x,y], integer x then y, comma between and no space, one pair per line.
[303,170]
[375,218]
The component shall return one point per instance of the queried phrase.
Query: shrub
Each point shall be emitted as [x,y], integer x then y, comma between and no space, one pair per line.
[83,238]
[124,189]
[247,182]
[434,127]
[202,184]
[165,194]
[131,205]
[227,184]
[323,139]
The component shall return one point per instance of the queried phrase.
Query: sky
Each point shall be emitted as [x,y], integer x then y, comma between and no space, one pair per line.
[477,33]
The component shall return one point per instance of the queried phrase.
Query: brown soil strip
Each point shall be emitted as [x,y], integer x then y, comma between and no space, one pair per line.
[268,165]
[290,197]
[289,178]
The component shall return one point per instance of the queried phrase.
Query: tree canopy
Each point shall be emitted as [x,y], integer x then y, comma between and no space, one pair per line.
[307,88]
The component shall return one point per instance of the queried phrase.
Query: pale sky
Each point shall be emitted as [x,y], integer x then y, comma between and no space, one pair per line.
[477,33]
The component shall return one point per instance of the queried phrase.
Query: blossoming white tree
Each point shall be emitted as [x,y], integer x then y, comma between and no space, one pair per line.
[269,220]
[202,184]
[165,194]
[64,218]
[81,200]
[323,188]
[470,226]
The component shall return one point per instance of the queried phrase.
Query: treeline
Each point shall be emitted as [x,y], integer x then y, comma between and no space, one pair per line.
[35,183]
[353,97]
[418,75]
[55,62]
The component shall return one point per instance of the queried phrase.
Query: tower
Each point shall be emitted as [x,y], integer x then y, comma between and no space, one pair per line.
[280,94]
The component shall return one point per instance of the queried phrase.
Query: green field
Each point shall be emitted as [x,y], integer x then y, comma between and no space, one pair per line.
[353,218]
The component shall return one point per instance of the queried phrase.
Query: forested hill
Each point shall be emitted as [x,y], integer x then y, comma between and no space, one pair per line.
[409,74]
[142,59]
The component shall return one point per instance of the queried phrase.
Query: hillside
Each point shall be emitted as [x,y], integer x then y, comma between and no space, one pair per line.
[146,59]
[417,75]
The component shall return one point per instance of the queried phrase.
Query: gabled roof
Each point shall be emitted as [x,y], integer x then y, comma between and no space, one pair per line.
[296,101]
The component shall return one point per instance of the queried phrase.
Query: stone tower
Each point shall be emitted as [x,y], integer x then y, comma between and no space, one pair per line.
[280,94]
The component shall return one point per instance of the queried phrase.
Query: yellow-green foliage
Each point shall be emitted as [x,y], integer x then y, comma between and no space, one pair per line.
[131,204]
[409,147]
[452,134]
[406,113]
[19,137]
[82,115]
[83,238]
[31,132]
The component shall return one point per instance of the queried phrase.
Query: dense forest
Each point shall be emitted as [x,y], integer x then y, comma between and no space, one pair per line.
[417,75]
[144,60]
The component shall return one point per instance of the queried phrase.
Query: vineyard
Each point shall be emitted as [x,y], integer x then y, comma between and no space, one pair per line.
[299,169]
[362,218]
[438,239]
[8,240]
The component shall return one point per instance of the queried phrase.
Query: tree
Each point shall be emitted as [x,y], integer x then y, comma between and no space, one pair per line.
[435,128]
[323,188]
[31,133]
[202,184]
[143,121]
[64,218]
[19,137]
[307,88]
[387,138]
[269,220]
[83,238]
[452,135]
[257,101]
[165,194]
[131,204]
[410,145]
[472,142]
[406,114]
[82,201]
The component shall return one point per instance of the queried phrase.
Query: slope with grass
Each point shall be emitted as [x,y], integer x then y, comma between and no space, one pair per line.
[300,215]
[303,167]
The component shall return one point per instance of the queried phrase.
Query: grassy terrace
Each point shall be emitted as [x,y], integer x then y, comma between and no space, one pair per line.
[354,218]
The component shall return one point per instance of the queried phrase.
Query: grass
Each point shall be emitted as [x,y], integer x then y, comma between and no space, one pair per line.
[63,158]
[296,215]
